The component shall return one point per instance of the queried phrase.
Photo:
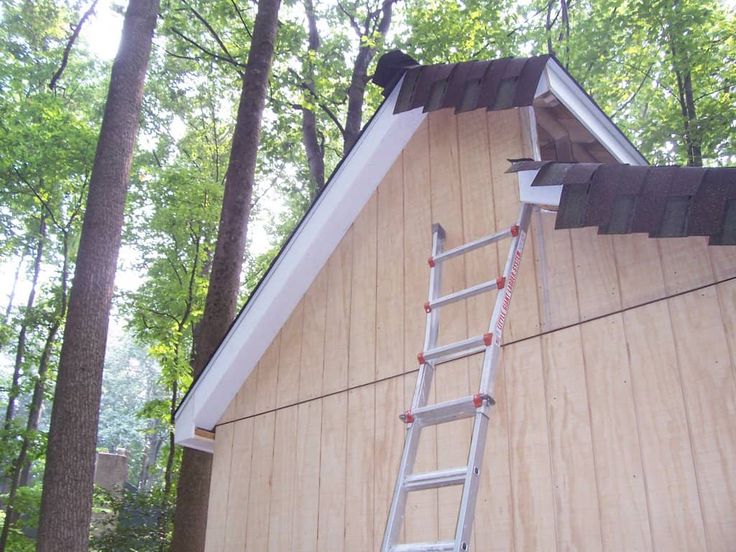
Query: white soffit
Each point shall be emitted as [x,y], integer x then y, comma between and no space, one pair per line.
[293,272]
[557,81]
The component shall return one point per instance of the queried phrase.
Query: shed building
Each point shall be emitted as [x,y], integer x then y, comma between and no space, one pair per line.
[615,419]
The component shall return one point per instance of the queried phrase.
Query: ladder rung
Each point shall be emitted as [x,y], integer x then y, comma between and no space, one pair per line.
[498,283]
[424,547]
[459,349]
[447,411]
[436,479]
[475,244]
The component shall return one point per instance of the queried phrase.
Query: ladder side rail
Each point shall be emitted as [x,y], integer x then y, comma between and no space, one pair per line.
[397,510]
[491,357]
[431,332]
[503,301]
[472,478]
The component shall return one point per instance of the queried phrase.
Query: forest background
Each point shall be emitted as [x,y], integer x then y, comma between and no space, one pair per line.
[664,70]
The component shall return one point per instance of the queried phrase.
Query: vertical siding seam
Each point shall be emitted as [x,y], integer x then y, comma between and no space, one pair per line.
[507,396]
[592,440]
[731,352]
[622,315]
[552,471]
[689,427]
[250,478]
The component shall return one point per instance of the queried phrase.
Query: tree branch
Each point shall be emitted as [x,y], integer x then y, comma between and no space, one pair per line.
[242,19]
[72,39]
[239,66]
[212,32]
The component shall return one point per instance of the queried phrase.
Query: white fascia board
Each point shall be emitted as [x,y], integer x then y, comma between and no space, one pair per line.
[569,93]
[305,254]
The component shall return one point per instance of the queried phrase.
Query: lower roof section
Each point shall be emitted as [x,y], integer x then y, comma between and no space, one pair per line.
[661,201]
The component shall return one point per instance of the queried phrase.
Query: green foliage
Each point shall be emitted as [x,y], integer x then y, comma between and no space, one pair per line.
[131,521]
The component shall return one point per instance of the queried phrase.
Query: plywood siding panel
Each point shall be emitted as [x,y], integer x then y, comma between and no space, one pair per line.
[727,300]
[639,269]
[506,141]
[451,379]
[619,472]
[710,398]
[337,326]
[390,267]
[259,499]
[571,448]
[240,475]
[723,261]
[493,509]
[219,488]
[313,339]
[421,521]
[362,368]
[283,481]
[421,518]
[290,350]
[387,450]
[359,512]
[306,501]
[554,264]
[267,374]
[685,263]
[596,278]
[531,474]
[332,473]
[674,506]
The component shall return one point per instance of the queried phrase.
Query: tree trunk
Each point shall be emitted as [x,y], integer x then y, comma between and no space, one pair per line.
[359,79]
[66,502]
[20,349]
[310,135]
[190,519]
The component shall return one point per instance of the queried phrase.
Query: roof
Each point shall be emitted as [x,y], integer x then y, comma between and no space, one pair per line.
[663,201]
[410,91]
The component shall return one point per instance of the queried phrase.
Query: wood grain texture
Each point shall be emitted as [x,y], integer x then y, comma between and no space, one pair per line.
[710,397]
[390,269]
[305,511]
[359,513]
[283,481]
[239,485]
[531,473]
[313,339]
[259,499]
[290,352]
[337,327]
[219,488]
[267,377]
[362,366]
[389,442]
[674,506]
[596,280]
[332,474]
[619,471]
[571,447]
[451,379]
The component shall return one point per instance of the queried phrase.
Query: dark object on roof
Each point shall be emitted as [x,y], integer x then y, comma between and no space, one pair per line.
[390,68]
[624,199]
[498,84]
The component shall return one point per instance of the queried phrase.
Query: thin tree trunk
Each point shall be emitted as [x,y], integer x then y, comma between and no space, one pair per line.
[190,519]
[22,466]
[66,503]
[359,79]
[310,134]
[16,277]
[687,105]
[20,350]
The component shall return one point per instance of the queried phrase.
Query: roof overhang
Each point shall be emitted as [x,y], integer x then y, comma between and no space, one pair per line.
[294,270]
[319,233]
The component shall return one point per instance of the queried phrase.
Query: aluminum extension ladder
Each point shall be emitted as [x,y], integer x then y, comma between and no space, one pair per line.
[478,406]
